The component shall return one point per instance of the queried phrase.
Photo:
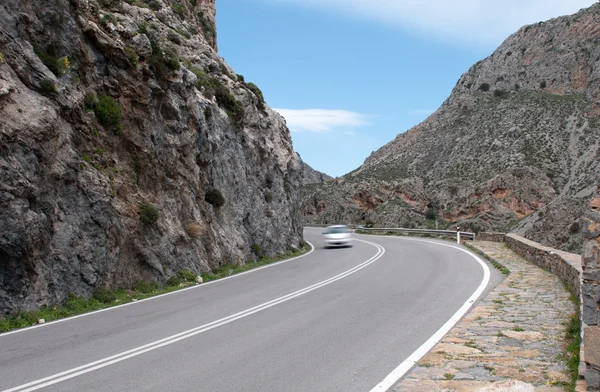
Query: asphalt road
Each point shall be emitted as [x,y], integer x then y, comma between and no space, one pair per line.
[333,320]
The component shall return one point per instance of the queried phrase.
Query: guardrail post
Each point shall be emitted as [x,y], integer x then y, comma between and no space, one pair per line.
[458,235]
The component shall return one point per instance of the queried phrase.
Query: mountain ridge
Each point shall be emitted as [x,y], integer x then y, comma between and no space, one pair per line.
[515,142]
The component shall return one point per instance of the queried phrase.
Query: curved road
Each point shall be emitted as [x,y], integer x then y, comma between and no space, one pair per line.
[333,320]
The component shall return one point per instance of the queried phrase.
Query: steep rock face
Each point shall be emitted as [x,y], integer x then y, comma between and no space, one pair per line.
[208,20]
[130,150]
[517,136]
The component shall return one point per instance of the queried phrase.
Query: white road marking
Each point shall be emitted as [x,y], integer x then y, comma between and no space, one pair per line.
[409,362]
[157,296]
[75,372]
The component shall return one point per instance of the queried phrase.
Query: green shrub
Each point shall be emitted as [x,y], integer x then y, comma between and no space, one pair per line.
[187,275]
[132,56]
[230,104]
[58,66]
[155,5]
[430,214]
[108,112]
[149,214]
[202,78]
[47,86]
[163,60]
[174,37]
[178,9]
[136,165]
[261,99]
[109,4]
[104,295]
[254,88]
[240,78]
[106,19]
[208,28]
[171,59]
[543,84]
[137,3]
[183,33]
[214,197]
[144,287]
[268,197]
[212,86]
[484,87]
[143,27]
[75,304]
[257,250]
[183,276]
[173,281]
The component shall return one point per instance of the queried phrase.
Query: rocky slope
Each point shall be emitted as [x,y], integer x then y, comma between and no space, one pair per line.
[514,146]
[312,176]
[130,150]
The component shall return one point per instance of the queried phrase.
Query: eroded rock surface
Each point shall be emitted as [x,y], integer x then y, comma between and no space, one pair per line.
[130,150]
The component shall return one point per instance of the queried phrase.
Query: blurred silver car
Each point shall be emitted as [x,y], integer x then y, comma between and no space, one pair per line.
[338,235]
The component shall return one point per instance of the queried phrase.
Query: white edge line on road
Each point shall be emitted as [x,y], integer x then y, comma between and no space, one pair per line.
[157,296]
[409,362]
[75,372]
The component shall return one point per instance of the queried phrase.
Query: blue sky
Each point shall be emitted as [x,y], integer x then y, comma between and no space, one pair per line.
[350,75]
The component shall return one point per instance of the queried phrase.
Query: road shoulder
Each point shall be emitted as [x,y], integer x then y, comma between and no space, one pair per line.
[513,336]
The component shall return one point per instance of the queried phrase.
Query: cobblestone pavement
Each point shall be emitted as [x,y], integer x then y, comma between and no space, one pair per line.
[516,333]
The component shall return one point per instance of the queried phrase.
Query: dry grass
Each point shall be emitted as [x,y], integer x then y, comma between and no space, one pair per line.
[194,230]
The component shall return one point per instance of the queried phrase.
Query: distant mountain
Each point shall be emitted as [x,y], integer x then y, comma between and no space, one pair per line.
[312,176]
[514,147]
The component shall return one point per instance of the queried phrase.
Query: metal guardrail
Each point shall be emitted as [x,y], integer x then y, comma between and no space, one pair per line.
[462,234]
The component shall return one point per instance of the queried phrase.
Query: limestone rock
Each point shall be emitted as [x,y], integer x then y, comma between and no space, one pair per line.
[179,181]
[523,335]
[142,46]
[508,386]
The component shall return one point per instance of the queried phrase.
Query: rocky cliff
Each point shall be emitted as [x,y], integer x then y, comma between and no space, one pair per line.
[515,146]
[130,150]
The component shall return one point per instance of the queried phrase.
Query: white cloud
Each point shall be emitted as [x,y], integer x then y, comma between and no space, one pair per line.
[486,22]
[322,120]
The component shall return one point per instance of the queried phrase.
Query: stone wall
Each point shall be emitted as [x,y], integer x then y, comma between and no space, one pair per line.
[567,266]
[493,237]
[591,293]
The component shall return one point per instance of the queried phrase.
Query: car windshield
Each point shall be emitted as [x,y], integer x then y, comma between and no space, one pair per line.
[336,230]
